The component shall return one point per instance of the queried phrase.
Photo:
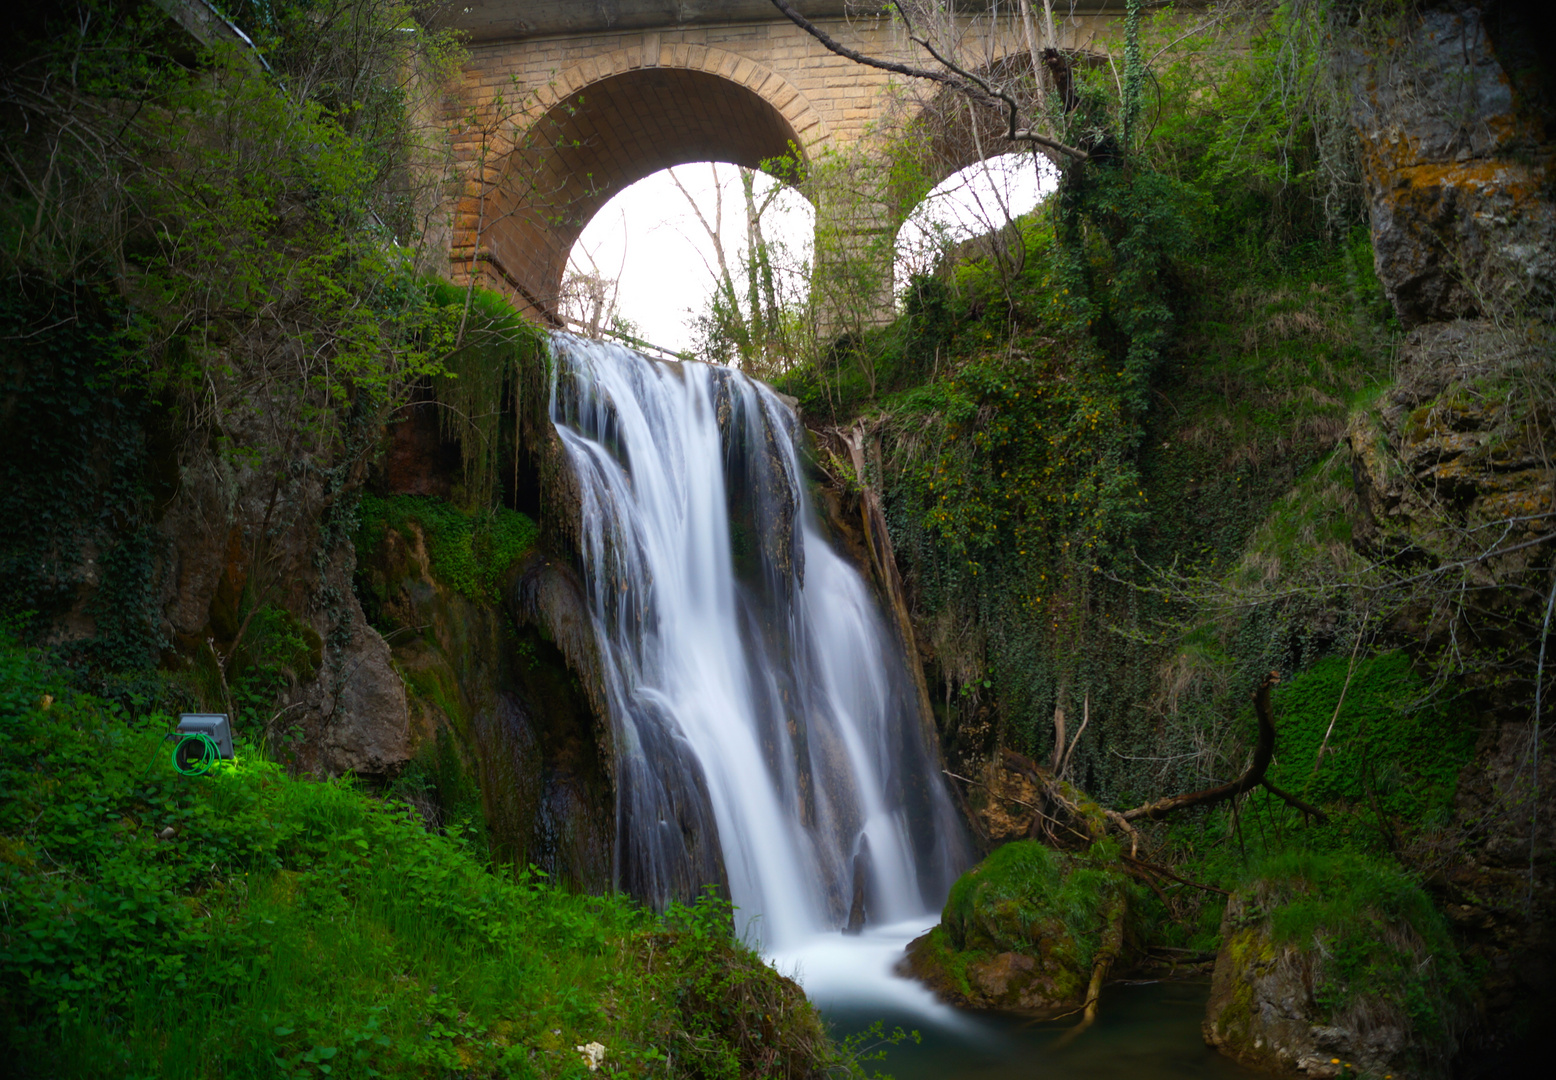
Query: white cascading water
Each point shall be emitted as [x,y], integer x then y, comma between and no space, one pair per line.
[763,715]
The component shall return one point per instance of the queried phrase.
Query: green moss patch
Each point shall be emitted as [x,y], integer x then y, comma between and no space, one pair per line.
[1026,896]
[1023,929]
[469,551]
[1392,751]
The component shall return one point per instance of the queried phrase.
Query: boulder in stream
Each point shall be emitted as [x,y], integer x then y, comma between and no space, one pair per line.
[1023,929]
[1335,965]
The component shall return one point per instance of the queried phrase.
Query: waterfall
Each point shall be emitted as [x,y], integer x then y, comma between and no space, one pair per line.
[764,720]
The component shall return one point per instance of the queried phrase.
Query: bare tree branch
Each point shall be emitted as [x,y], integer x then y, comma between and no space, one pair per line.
[1292,800]
[1252,777]
[956,78]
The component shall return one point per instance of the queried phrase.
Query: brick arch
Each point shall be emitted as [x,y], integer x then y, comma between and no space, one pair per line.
[605,124]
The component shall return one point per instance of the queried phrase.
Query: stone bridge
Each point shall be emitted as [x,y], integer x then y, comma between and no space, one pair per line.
[566,102]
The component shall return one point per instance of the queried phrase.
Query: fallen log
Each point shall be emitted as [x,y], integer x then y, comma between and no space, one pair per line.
[1162,871]
[1107,951]
[1252,777]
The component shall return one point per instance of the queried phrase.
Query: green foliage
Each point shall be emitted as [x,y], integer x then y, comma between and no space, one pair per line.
[1154,376]
[469,551]
[1044,480]
[1387,782]
[1373,929]
[253,228]
[276,651]
[438,782]
[1022,458]
[482,383]
[729,1001]
[1263,126]
[264,225]
[246,923]
[1392,751]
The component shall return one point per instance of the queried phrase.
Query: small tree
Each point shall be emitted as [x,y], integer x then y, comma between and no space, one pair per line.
[759,308]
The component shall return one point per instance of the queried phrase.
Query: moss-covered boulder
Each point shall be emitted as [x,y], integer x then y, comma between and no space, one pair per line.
[1024,929]
[1335,965]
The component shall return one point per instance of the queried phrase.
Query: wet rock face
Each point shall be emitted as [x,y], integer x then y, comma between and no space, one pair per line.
[547,758]
[1459,178]
[502,712]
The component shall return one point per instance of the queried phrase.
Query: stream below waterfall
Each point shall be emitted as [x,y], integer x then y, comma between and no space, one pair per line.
[768,735]
[1144,1031]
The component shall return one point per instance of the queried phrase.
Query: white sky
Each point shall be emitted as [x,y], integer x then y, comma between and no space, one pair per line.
[650,240]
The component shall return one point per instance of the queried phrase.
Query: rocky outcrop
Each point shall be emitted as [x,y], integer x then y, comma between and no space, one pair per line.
[1455,442]
[263,534]
[1455,489]
[364,722]
[1452,469]
[1006,981]
[1308,985]
[1458,175]
[505,705]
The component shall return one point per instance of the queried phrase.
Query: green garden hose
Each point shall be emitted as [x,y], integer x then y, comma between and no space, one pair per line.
[195,753]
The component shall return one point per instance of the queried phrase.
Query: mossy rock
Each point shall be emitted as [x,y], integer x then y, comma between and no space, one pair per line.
[1022,929]
[1334,965]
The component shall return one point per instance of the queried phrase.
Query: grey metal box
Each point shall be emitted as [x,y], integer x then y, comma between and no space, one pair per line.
[214,725]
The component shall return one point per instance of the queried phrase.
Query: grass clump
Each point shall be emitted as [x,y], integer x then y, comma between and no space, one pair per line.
[1026,895]
[250,924]
[469,551]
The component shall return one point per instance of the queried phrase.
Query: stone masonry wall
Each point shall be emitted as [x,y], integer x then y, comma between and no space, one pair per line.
[794,90]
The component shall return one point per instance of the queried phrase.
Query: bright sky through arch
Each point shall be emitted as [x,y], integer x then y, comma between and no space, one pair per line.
[972,202]
[648,238]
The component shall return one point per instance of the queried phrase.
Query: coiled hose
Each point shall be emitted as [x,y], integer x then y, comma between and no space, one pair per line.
[195,753]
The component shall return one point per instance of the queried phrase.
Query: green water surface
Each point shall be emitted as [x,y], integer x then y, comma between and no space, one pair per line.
[1143,1032]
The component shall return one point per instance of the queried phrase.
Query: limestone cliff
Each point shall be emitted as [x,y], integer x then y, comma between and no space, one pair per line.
[1457,162]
